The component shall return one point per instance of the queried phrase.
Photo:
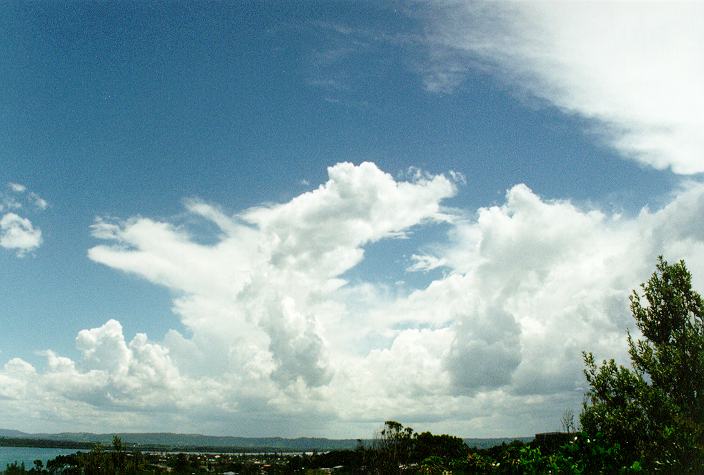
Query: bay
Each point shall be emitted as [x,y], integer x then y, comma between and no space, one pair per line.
[29,454]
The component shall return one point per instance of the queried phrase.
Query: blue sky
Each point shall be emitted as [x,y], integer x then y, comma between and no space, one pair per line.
[508,150]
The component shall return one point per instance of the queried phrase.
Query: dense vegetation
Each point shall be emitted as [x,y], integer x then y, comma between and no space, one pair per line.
[654,412]
[646,418]
[46,443]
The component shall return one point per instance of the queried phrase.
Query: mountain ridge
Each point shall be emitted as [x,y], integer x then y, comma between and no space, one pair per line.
[172,440]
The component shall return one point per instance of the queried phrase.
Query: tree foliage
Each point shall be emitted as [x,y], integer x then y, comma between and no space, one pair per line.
[396,449]
[654,411]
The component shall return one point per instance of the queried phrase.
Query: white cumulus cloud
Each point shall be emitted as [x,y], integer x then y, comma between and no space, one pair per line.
[275,266]
[18,234]
[275,332]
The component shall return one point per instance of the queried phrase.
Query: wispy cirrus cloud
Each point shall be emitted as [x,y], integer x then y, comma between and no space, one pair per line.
[349,57]
[634,70]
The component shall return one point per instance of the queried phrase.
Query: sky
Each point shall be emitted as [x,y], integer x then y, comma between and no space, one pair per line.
[282,219]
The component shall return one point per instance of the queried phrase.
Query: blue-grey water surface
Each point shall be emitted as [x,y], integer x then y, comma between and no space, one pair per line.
[29,454]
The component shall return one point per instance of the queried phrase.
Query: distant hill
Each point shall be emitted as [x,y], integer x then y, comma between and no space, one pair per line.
[171,441]
[486,443]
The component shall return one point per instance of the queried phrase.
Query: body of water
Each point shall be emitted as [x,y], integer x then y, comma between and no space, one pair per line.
[29,454]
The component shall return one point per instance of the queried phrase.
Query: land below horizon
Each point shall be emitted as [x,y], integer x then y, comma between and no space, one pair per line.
[168,441]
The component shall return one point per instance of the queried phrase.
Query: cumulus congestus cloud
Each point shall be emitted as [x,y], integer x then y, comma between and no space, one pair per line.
[260,288]
[273,328]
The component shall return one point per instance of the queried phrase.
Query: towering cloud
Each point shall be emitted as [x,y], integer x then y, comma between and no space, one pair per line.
[259,290]
[274,330]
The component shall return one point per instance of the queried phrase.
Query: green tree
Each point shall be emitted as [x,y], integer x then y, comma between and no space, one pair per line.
[567,422]
[94,462]
[38,466]
[15,468]
[118,457]
[654,412]
[392,447]
[446,446]
[182,464]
